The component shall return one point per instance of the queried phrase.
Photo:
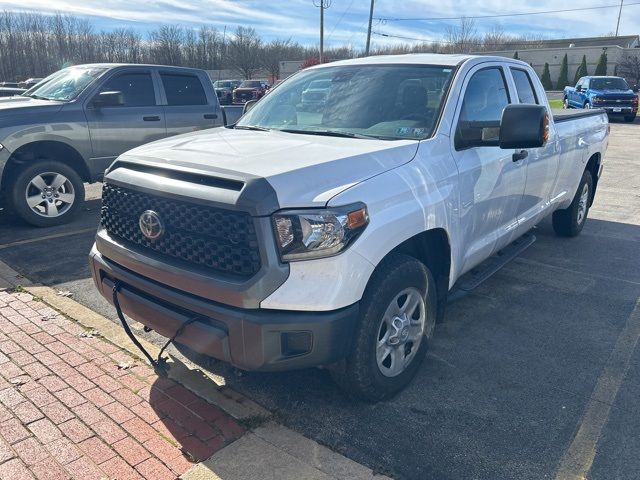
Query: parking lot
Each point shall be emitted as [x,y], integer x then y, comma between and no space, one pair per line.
[536,374]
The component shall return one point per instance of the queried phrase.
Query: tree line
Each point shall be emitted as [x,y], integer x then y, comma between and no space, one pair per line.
[35,45]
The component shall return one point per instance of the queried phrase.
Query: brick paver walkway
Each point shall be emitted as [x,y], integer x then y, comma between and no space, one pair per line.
[74,406]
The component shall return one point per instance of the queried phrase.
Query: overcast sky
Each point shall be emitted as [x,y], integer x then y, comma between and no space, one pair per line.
[345,20]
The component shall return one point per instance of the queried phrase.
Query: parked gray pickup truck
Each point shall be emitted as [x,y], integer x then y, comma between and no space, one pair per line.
[68,129]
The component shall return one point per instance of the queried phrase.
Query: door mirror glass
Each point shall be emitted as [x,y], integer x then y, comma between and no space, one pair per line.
[524,126]
[108,99]
[248,106]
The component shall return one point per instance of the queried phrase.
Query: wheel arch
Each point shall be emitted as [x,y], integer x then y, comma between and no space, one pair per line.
[40,149]
[433,248]
[593,166]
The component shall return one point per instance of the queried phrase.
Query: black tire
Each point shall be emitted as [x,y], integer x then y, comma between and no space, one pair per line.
[565,103]
[629,118]
[569,222]
[359,374]
[18,193]
[587,105]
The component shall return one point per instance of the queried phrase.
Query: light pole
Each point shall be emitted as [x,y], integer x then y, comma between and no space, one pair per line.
[619,15]
[366,51]
[323,5]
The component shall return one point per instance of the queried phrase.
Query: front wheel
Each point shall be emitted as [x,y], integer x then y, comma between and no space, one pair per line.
[565,103]
[587,105]
[47,193]
[570,221]
[397,320]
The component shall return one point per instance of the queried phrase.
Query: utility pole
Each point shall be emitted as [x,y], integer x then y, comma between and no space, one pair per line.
[366,51]
[323,5]
[619,15]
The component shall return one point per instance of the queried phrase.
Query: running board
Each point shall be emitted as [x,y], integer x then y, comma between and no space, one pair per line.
[486,269]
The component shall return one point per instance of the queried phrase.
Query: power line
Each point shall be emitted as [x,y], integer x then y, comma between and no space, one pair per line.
[339,20]
[504,43]
[476,17]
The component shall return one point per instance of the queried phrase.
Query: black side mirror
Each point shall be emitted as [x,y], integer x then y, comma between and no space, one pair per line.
[524,126]
[248,106]
[108,99]
[635,89]
[579,88]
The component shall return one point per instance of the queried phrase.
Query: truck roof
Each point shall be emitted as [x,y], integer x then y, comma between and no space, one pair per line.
[135,65]
[421,59]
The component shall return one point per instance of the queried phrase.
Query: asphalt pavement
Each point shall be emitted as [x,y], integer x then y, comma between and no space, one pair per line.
[533,375]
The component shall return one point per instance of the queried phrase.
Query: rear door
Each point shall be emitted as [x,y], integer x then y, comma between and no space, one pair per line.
[187,103]
[491,182]
[114,130]
[542,163]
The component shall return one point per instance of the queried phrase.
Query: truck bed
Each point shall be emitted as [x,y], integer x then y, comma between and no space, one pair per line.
[562,115]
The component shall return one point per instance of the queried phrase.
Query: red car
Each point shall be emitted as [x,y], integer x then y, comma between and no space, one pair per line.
[249,90]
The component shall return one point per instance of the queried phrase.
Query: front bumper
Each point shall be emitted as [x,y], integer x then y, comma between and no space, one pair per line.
[250,339]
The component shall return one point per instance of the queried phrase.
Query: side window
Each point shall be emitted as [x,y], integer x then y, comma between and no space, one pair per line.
[137,89]
[183,89]
[484,100]
[524,86]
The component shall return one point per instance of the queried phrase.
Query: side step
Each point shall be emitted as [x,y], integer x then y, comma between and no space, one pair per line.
[486,269]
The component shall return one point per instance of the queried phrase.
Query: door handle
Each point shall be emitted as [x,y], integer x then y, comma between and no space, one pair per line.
[210,116]
[151,118]
[521,155]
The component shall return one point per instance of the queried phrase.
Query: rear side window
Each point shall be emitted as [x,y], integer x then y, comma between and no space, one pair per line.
[524,87]
[183,89]
[137,89]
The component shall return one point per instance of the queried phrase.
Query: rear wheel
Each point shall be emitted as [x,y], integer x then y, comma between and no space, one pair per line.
[397,320]
[47,193]
[570,221]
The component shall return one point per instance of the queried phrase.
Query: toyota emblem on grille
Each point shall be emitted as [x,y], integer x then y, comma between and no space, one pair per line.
[151,225]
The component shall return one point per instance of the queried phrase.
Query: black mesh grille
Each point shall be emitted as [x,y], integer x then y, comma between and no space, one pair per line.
[218,239]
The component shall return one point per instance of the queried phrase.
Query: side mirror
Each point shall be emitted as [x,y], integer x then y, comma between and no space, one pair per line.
[248,106]
[524,126]
[635,89]
[579,88]
[108,99]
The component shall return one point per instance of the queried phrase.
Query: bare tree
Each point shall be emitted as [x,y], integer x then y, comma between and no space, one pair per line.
[244,52]
[464,37]
[629,68]
[166,45]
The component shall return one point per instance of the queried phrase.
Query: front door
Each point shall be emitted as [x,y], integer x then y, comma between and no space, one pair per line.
[491,182]
[114,130]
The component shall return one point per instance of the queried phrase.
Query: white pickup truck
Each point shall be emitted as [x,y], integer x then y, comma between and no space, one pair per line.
[332,237]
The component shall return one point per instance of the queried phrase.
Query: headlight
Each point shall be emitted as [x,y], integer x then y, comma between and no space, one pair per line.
[596,99]
[307,234]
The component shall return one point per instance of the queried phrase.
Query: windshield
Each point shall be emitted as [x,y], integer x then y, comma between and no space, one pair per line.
[253,84]
[66,84]
[220,84]
[383,101]
[609,84]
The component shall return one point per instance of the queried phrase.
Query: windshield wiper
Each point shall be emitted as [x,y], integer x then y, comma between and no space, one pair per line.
[333,133]
[251,127]
[326,133]
[38,97]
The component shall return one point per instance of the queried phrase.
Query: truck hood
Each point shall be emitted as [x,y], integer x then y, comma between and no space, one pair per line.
[304,170]
[613,93]
[24,105]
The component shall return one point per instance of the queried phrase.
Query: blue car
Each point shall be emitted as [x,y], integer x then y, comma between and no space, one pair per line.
[611,94]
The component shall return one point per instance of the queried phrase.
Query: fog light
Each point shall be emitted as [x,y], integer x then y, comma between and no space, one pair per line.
[296,343]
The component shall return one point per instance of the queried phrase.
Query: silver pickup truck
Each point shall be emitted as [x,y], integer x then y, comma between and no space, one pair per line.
[68,129]
[333,237]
